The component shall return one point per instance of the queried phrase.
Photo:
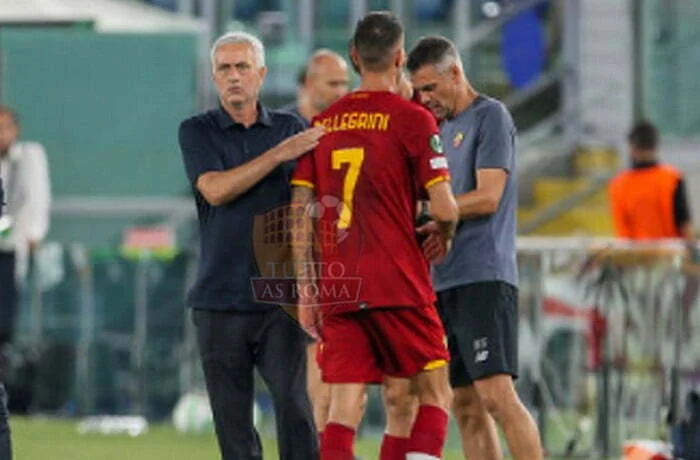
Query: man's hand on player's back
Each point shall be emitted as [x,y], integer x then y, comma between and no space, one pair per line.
[297,145]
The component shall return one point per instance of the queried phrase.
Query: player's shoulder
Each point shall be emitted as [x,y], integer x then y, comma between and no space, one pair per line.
[670,170]
[492,110]
[344,102]
[31,147]
[620,182]
[619,179]
[398,102]
[30,151]
[408,108]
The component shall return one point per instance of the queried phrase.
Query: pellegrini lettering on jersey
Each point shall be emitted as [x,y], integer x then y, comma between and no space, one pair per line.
[356,120]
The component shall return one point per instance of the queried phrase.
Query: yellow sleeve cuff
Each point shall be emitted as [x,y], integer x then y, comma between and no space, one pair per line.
[435,180]
[302,183]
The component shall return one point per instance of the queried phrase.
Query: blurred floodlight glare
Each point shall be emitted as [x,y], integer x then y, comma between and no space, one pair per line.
[491,9]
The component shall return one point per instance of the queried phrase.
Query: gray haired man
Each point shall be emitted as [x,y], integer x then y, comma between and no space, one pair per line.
[239,159]
[477,283]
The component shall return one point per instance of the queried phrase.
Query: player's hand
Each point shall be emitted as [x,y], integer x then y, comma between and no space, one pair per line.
[435,246]
[297,145]
[309,312]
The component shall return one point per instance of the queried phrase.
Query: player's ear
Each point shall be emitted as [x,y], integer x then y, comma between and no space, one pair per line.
[355,57]
[402,58]
[455,72]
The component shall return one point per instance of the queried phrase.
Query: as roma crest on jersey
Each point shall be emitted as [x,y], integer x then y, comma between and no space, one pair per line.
[459,137]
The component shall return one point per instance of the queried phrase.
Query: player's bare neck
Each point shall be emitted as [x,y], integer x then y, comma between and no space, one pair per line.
[385,81]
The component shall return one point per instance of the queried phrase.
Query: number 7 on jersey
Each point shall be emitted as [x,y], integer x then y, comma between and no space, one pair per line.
[353,157]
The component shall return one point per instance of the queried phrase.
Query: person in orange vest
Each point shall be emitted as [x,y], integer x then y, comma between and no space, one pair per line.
[649,200]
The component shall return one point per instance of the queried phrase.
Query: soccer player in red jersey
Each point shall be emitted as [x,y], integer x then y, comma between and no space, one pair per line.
[400,404]
[377,147]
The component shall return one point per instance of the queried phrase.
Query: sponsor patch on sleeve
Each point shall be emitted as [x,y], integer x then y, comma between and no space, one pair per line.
[438,163]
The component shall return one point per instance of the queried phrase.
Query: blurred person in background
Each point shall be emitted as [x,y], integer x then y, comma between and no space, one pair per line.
[239,159]
[293,107]
[325,81]
[5,443]
[24,223]
[477,283]
[25,175]
[649,200]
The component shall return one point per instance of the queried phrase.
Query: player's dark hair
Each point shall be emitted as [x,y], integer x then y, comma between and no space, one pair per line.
[433,50]
[644,136]
[376,35]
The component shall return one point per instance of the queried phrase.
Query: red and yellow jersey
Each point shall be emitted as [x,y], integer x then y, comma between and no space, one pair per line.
[366,173]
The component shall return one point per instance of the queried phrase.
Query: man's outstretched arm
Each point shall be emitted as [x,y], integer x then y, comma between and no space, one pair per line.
[220,187]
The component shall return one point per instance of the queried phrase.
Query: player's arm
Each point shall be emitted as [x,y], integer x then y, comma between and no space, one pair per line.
[303,240]
[443,210]
[494,160]
[302,233]
[38,199]
[2,198]
[422,140]
[681,211]
[436,237]
[303,192]
[302,229]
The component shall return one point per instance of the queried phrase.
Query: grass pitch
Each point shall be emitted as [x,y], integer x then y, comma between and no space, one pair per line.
[43,438]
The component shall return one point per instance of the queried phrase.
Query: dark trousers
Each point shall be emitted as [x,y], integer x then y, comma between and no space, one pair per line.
[8,307]
[5,445]
[8,296]
[231,346]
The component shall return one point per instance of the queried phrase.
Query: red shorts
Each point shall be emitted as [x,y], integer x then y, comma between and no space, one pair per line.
[364,346]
